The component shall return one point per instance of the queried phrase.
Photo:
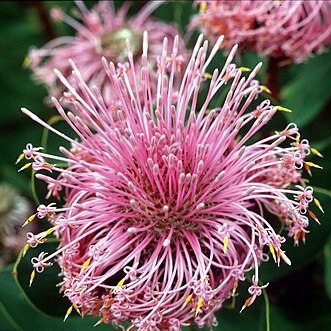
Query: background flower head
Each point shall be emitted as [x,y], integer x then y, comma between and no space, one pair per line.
[14,209]
[291,29]
[165,208]
[100,32]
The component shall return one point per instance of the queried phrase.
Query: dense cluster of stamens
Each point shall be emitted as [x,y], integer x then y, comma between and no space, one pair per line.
[292,29]
[165,203]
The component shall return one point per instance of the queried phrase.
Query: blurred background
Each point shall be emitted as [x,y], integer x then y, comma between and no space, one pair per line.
[298,297]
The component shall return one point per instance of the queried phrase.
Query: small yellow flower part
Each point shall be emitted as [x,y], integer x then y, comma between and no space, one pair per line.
[203,7]
[284,109]
[48,232]
[120,283]
[68,313]
[297,139]
[187,300]
[198,306]
[27,62]
[313,165]
[32,276]
[77,309]
[245,69]
[20,158]
[26,166]
[318,204]
[272,251]
[29,220]
[207,75]
[313,216]
[86,264]
[316,152]
[225,244]
[265,89]
[25,249]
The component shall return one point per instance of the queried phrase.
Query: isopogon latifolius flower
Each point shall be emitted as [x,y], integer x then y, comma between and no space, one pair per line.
[165,209]
[100,31]
[284,28]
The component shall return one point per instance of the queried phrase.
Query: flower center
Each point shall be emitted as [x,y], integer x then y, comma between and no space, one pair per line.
[113,43]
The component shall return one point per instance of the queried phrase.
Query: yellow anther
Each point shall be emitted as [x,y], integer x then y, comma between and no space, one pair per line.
[225,244]
[203,7]
[27,62]
[313,216]
[244,69]
[198,306]
[20,158]
[272,251]
[25,249]
[286,110]
[32,276]
[26,166]
[54,119]
[207,75]
[316,152]
[318,205]
[69,311]
[86,264]
[120,283]
[313,165]
[49,231]
[29,220]
[297,139]
[187,300]
[265,89]
[247,303]
[77,309]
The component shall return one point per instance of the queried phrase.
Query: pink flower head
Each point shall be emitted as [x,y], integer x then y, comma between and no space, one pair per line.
[164,210]
[101,32]
[292,29]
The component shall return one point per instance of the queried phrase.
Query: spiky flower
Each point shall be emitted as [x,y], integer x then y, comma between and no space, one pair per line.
[100,31]
[165,209]
[14,208]
[293,29]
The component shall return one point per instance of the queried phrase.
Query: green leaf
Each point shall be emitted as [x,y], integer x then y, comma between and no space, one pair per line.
[280,322]
[327,268]
[305,253]
[18,314]
[308,92]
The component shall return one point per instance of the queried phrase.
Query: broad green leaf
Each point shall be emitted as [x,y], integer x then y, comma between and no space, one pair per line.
[327,268]
[279,322]
[309,90]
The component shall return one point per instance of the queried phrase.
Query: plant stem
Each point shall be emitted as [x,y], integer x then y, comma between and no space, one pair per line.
[272,83]
[267,309]
[44,20]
